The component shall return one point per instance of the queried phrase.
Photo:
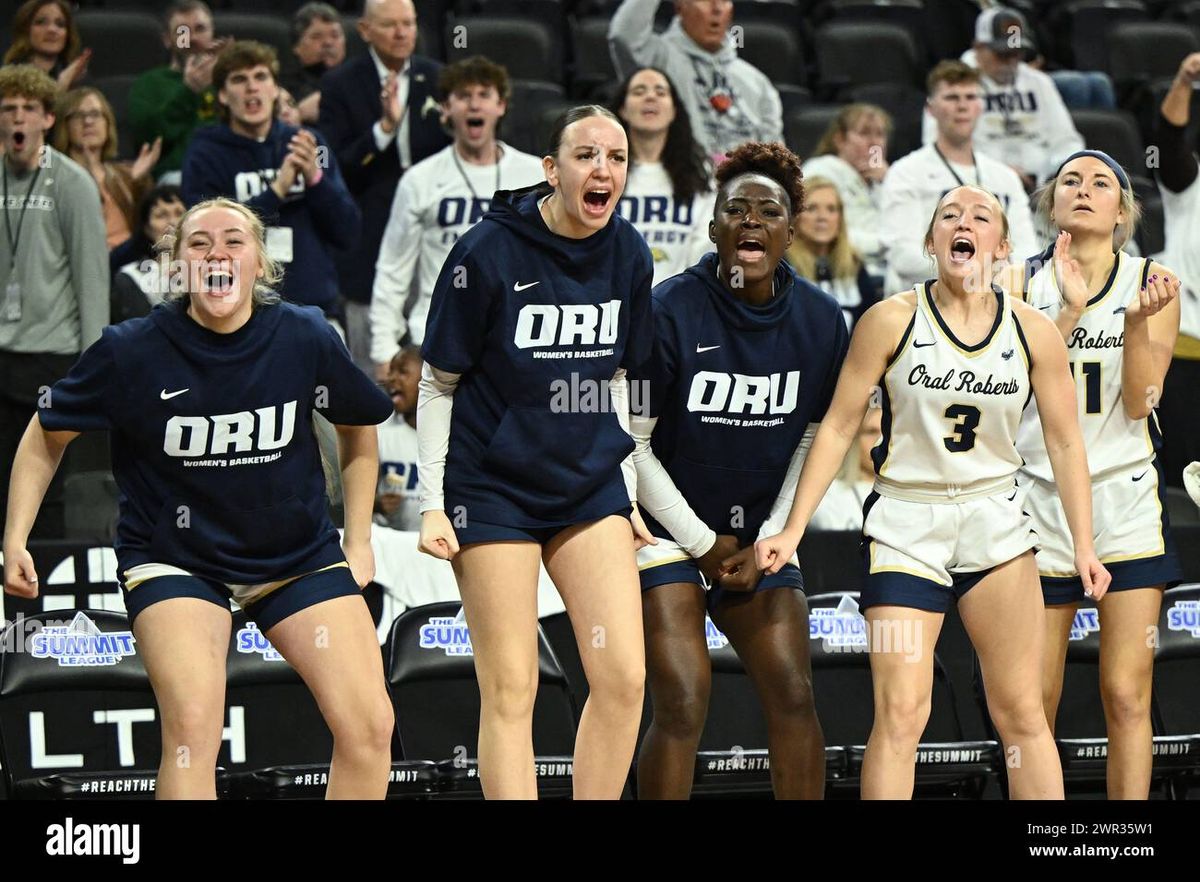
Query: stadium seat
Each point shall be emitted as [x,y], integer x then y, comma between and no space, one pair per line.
[793,97]
[529,49]
[121,42]
[1116,133]
[905,103]
[431,672]
[551,12]
[74,701]
[844,46]
[524,125]
[1188,13]
[908,14]
[1141,53]
[782,12]
[946,764]
[1176,672]
[355,45]
[592,68]
[116,90]
[774,50]
[1091,21]
[803,128]
[949,27]
[275,31]
[1180,508]
[91,508]
[830,560]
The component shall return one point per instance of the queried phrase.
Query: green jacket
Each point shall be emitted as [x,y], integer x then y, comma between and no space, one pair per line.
[160,103]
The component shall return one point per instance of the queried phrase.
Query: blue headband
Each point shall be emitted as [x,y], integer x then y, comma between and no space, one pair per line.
[1122,178]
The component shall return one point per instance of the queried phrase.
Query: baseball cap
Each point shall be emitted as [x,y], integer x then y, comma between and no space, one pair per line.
[1003,29]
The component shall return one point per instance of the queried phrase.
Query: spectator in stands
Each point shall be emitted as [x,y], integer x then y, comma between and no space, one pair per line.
[43,34]
[170,102]
[319,44]
[729,101]
[442,197]
[381,117]
[53,270]
[144,281]
[853,155]
[823,253]
[915,183]
[1179,183]
[1024,123]
[841,508]
[669,192]
[287,110]
[288,176]
[397,503]
[89,136]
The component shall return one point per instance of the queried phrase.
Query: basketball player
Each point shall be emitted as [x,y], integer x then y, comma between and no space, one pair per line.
[537,310]
[209,400]
[1119,316]
[748,355]
[953,363]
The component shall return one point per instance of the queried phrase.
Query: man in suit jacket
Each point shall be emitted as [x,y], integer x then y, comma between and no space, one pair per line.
[380,115]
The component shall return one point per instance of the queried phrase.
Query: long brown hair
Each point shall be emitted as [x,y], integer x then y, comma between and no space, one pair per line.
[845,122]
[844,260]
[21,50]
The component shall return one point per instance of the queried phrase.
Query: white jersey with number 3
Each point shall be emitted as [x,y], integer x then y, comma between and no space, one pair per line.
[951,411]
[1096,348]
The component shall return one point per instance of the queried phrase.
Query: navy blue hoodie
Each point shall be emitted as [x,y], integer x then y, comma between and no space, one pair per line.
[212,437]
[529,317]
[323,218]
[734,386]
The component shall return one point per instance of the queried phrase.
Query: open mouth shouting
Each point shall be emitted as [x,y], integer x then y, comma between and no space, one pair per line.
[596,200]
[254,106]
[217,281]
[962,250]
[19,139]
[475,126]
[750,249]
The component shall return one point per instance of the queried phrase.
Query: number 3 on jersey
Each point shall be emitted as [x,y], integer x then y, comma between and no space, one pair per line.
[966,420]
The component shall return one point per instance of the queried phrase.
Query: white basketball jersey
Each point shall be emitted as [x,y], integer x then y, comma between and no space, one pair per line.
[1096,347]
[951,411]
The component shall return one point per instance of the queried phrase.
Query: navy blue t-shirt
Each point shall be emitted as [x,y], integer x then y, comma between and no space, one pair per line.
[537,324]
[734,386]
[212,439]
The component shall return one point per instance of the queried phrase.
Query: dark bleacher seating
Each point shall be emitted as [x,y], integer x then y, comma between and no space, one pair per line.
[532,109]
[592,68]
[1090,22]
[1176,673]
[1116,133]
[274,31]
[774,50]
[529,49]
[850,53]
[122,42]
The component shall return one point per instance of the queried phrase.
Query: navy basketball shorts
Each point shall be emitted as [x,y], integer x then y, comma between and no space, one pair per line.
[479,531]
[666,563]
[266,604]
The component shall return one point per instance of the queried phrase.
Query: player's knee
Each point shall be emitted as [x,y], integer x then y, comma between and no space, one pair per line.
[902,717]
[1126,703]
[1018,718]
[791,695]
[192,728]
[368,729]
[680,707]
[621,684]
[509,695]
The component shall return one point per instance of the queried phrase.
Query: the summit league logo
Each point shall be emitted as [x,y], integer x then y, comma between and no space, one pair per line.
[1087,621]
[842,626]
[447,634]
[82,644]
[250,640]
[1184,615]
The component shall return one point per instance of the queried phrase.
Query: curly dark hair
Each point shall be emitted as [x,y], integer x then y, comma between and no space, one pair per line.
[772,160]
[682,158]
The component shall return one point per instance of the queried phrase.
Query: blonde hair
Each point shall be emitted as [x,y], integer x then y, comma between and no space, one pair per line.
[264,287]
[849,117]
[844,260]
[928,240]
[1122,233]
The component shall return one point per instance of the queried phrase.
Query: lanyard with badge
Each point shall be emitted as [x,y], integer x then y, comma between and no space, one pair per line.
[950,168]
[11,311]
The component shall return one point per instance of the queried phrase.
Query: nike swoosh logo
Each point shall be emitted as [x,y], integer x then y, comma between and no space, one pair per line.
[1014,496]
[1044,308]
[700,348]
[164,394]
[1142,475]
[1118,310]
[923,345]
[517,286]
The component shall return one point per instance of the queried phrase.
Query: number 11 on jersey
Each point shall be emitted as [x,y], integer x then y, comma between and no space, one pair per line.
[1091,384]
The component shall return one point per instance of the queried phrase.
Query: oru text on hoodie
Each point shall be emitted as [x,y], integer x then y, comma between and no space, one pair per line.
[537,324]
[734,386]
[322,218]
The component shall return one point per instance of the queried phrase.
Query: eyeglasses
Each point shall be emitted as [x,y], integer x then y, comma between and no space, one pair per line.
[86,115]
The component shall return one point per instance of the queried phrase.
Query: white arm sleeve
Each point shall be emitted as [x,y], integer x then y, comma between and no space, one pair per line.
[787,492]
[435,402]
[619,390]
[660,497]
